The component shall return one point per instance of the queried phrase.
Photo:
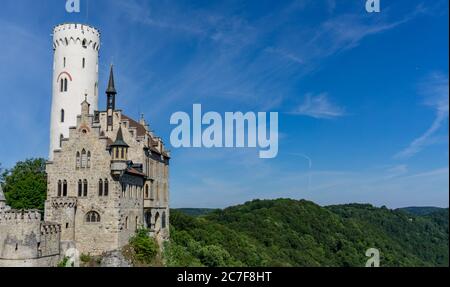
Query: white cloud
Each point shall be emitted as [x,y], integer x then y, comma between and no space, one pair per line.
[397,170]
[319,107]
[435,90]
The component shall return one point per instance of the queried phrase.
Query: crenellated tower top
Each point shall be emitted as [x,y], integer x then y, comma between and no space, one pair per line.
[76,34]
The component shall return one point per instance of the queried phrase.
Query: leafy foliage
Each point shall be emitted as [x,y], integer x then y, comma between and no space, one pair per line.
[63,262]
[286,232]
[420,210]
[196,211]
[145,248]
[25,185]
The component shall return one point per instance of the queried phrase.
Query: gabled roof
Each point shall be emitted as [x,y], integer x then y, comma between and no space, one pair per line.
[132,170]
[141,131]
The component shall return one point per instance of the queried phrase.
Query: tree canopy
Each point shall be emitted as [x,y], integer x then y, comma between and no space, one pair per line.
[287,232]
[25,184]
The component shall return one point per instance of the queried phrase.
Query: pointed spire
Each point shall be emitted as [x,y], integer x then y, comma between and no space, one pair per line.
[111,87]
[119,139]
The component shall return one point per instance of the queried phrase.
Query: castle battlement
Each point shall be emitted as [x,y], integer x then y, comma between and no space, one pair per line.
[64,202]
[20,216]
[50,228]
[75,34]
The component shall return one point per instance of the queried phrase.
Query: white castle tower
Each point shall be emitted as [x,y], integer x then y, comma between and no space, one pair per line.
[75,76]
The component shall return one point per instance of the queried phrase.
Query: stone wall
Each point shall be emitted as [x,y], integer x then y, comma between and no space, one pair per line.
[26,241]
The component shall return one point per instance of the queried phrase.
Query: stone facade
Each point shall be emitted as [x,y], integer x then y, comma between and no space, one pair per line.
[106,179]
[109,178]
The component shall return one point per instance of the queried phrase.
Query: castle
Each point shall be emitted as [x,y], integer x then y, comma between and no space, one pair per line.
[107,174]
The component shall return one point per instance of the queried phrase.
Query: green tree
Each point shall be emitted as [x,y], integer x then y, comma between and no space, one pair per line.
[25,185]
[145,248]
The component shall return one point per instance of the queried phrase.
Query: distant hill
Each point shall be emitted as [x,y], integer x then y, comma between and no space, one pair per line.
[195,211]
[421,210]
[287,232]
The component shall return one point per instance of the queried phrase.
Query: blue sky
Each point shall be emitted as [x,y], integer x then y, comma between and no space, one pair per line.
[362,98]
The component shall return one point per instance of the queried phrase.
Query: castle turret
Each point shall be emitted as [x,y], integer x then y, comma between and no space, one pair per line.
[119,154]
[75,74]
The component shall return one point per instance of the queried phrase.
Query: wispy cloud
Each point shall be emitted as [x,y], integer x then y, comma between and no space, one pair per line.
[319,107]
[435,90]
[337,34]
[396,171]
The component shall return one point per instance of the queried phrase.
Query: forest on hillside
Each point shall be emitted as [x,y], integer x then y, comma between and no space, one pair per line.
[287,232]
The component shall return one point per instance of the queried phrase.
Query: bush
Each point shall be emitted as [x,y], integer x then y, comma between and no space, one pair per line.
[85,258]
[145,248]
[63,263]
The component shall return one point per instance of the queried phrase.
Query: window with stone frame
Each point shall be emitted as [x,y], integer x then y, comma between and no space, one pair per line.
[83,158]
[59,188]
[88,159]
[100,187]
[78,160]
[85,188]
[64,188]
[92,217]
[80,188]
[106,188]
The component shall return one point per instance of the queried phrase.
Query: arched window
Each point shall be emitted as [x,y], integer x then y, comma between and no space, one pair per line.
[59,188]
[84,43]
[80,188]
[83,158]
[163,220]
[62,115]
[61,137]
[89,159]
[64,63]
[64,188]
[65,85]
[122,153]
[106,191]
[100,187]
[117,153]
[92,217]
[62,85]
[146,191]
[126,222]
[85,188]
[84,62]
[78,160]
